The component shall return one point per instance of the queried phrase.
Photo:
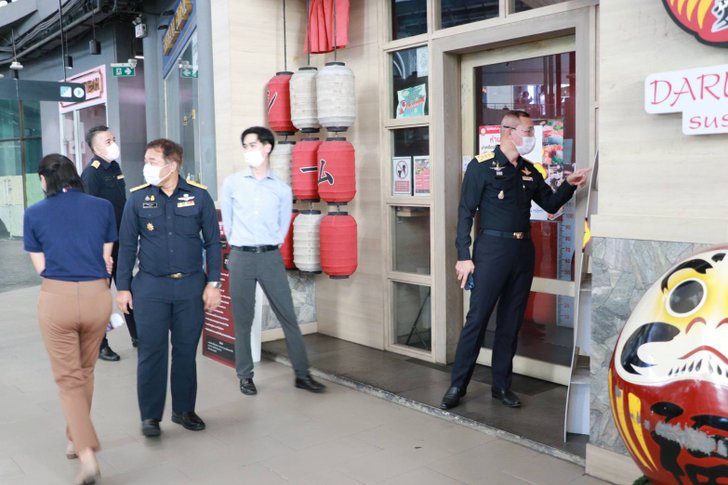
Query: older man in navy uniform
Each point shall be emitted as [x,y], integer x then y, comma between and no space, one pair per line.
[163,219]
[501,185]
[102,178]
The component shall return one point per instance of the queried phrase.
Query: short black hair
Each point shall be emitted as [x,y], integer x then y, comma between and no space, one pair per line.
[171,151]
[90,134]
[264,135]
[59,173]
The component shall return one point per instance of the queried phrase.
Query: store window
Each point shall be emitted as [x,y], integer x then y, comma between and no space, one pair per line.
[411,239]
[412,315]
[411,161]
[459,12]
[182,106]
[20,152]
[409,17]
[410,68]
[523,5]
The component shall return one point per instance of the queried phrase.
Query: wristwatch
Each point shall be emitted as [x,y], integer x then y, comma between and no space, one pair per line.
[215,284]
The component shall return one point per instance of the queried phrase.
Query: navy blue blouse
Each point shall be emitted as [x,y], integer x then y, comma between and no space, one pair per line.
[70,229]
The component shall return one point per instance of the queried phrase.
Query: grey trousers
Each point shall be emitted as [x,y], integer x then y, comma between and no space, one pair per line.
[267,269]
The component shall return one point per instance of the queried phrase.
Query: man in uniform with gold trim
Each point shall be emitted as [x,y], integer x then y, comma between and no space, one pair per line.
[164,219]
[500,185]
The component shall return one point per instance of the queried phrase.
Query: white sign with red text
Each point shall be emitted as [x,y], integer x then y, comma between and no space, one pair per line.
[700,94]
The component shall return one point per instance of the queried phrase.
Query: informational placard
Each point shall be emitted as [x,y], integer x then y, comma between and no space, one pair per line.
[421,170]
[411,101]
[401,175]
[488,138]
[218,332]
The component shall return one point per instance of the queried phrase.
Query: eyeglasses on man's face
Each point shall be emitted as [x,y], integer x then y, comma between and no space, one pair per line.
[522,131]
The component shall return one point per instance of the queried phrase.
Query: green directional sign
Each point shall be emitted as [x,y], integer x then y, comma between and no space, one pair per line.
[188,72]
[123,71]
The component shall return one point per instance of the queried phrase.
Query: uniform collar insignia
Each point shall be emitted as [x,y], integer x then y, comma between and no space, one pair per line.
[525,171]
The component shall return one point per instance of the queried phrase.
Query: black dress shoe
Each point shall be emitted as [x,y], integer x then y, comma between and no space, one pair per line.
[309,384]
[190,420]
[108,355]
[247,387]
[150,428]
[506,396]
[452,398]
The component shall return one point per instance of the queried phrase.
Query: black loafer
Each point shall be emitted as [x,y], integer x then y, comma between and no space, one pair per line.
[309,384]
[190,420]
[452,398]
[108,355]
[247,387]
[506,396]
[150,428]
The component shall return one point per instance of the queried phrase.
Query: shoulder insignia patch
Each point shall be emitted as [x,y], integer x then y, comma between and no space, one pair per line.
[484,157]
[138,187]
[95,164]
[197,184]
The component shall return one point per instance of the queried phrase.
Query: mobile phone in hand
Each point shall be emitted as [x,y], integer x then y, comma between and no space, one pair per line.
[470,283]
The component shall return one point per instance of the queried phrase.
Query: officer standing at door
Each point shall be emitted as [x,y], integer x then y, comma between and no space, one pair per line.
[102,178]
[163,220]
[500,185]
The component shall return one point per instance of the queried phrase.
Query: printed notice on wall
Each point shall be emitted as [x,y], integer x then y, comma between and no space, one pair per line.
[421,169]
[411,101]
[401,175]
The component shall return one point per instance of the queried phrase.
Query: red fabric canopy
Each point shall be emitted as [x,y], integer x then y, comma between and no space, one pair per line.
[320,31]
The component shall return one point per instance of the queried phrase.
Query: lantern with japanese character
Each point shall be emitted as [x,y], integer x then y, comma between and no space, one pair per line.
[305,169]
[278,104]
[337,171]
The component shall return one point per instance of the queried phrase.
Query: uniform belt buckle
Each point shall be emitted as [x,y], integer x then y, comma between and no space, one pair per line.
[176,276]
[518,235]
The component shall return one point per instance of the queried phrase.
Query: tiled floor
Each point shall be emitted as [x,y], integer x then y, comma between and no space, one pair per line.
[283,435]
[540,420]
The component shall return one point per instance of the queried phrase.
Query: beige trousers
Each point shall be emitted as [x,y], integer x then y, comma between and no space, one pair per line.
[73,318]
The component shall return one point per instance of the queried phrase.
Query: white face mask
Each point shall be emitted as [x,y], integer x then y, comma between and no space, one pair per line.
[151,174]
[527,144]
[254,158]
[112,152]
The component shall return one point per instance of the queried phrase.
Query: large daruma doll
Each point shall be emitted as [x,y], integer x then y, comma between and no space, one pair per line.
[668,379]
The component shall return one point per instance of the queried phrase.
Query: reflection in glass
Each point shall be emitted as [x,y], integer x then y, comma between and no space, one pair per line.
[523,5]
[459,12]
[409,80]
[87,119]
[9,122]
[409,17]
[411,239]
[412,321]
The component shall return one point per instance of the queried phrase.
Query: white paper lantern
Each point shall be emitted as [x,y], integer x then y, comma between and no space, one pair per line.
[281,159]
[335,97]
[303,100]
[306,251]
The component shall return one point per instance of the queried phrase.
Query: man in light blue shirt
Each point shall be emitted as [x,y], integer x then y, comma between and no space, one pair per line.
[256,212]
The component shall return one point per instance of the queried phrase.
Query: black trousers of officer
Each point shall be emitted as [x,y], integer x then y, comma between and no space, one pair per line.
[503,269]
[129,317]
[167,310]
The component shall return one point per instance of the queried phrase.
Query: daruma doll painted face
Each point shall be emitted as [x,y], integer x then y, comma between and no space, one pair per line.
[668,378]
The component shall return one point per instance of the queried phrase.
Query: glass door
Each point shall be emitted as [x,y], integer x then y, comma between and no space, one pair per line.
[538,78]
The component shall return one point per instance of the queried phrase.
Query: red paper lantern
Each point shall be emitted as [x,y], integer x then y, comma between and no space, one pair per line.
[305,169]
[278,103]
[338,233]
[287,246]
[337,170]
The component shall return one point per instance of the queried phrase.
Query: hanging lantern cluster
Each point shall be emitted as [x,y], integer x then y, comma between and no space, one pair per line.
[306,101]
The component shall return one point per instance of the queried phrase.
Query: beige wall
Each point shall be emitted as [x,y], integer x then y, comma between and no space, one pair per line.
[248,50]
[654,182]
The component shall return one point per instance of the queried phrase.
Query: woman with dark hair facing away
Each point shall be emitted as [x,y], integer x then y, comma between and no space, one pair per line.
[69,236]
